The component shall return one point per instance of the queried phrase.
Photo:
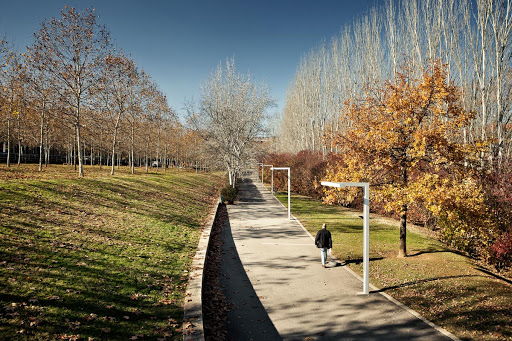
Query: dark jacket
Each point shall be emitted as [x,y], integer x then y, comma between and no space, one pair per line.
[323,239]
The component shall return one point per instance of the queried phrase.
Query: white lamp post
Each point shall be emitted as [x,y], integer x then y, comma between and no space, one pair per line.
[272,180]
[366,226]
[283,168]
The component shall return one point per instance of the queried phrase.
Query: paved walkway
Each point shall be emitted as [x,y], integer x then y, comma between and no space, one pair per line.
[285,293]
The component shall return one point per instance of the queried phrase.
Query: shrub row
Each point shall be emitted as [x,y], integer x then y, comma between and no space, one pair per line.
[485,234]
[306,169]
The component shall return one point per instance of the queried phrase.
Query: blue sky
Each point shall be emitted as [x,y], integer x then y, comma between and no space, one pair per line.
[179,43]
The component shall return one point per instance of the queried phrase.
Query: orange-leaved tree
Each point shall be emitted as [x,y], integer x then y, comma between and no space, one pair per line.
[403,140]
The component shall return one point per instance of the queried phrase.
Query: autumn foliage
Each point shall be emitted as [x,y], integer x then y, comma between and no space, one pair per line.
[79,99]
[403,139]
[498,198]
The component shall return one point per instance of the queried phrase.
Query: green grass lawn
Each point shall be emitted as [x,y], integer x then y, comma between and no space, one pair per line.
[99,258]
[443,286]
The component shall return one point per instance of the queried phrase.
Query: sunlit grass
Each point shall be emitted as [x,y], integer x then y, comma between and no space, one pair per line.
[442,285]
[103,257]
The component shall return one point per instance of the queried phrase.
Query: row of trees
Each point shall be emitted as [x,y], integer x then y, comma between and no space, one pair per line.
[73,90]
[416,102]
[475,43]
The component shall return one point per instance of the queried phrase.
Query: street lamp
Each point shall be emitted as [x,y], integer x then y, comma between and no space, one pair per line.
[366,226]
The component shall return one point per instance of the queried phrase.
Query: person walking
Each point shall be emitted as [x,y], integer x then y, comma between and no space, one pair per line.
[323,241]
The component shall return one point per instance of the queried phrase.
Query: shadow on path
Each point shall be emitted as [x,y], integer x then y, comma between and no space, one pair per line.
[233,310]
[248,192]
[247,319]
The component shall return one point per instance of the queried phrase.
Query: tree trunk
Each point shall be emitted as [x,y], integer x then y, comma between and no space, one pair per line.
[164,163]
[113,156]
[147,156]
[158,149]
[99,151]
[402,251]
[19,151]
[19,138]
[41,137]
[73,151]
[130,161]
[47,146]
[79,151]
[114,143]
[132,150]
[8,142]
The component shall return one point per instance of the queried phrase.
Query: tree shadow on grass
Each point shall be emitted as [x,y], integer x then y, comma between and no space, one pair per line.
[490,273]
[434,250]
[358,261]
[420,281]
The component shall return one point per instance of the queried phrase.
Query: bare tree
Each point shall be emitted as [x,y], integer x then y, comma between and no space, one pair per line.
[4,60]
[73,88]
[72,49]
[479,43]
[42,96]
[230,115]
[413,33]
[392,35]
[13,92]
[474,42]
[119,77]
[501,23]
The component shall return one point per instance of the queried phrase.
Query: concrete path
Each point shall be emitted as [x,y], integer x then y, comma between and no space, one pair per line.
[291,296]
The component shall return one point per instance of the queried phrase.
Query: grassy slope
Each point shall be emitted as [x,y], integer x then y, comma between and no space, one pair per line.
[101,257]
[445,287]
